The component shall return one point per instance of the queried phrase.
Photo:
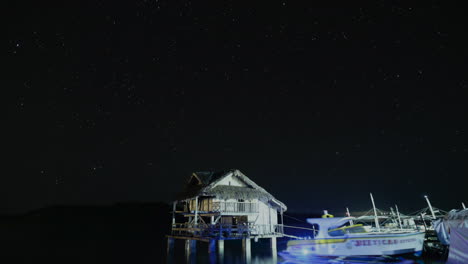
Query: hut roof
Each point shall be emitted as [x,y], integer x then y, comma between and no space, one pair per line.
[206,177]
[237,192]
[206,185]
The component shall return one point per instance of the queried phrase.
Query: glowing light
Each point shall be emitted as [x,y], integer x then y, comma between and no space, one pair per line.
[305,251]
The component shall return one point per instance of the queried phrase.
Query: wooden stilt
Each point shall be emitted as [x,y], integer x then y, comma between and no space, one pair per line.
[170,245]
[274,252]
[187,251]
[273,243]
[246,249]
[212,246]
[212,257]
[187,247]
[174,204]
[193,246]
[190,250]
[170,250]
[221,250]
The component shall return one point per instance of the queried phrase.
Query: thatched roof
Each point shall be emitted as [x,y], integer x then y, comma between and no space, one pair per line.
[207,177]
[236,192]
[204,184]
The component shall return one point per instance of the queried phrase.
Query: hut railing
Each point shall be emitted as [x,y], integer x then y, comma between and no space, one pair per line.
[227,207]
[235,207]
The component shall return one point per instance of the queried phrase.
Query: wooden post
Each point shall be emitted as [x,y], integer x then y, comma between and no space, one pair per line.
[212,246]
[187,245]
[193,246]
[190,246]
[274,251]
[221,250]
[196,213]
[212,251]
[212,257]
[173,211]
[187,248]
[282,222]
[190,250]
[220,230]
[269,219]
[173,215]
[246,249]
[273,244]
[170,246]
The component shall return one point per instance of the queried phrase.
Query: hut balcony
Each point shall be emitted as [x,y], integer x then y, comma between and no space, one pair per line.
[224,207]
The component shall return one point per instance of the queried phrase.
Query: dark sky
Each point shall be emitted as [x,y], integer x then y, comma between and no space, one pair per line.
[120,102]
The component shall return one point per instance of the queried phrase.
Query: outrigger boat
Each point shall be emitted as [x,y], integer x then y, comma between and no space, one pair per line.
[339,237]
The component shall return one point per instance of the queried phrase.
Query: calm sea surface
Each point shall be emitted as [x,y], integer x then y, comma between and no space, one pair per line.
[261,254]
[139,251]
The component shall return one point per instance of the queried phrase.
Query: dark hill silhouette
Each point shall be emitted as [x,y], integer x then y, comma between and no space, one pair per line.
[126,232]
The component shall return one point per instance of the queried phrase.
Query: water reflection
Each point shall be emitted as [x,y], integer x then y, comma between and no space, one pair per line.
[265,258]
[262,254]
[348,260]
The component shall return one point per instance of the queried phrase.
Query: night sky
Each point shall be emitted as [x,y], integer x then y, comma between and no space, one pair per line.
[116,102]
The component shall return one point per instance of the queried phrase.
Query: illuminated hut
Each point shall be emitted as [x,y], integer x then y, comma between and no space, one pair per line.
[226,205]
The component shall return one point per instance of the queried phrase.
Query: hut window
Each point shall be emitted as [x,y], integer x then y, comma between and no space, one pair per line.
[229,183]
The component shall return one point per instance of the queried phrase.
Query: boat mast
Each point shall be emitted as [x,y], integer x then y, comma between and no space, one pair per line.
[392,213]
[430,207]
[349,215]
[375,213]
[463,205]
[398,214]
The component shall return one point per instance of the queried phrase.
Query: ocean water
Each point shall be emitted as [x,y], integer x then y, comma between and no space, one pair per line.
[153,251]
[123,235]
[261,254]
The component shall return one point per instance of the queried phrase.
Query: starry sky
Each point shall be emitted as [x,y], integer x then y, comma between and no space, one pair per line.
[113,102]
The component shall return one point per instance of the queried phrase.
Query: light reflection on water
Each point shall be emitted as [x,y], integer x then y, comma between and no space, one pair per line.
[350,260]
[261,254]
[265,259]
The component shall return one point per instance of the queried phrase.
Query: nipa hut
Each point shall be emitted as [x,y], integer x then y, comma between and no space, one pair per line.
[226,205]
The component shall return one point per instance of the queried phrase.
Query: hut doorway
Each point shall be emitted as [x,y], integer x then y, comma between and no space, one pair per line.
[240,224]
[239,220]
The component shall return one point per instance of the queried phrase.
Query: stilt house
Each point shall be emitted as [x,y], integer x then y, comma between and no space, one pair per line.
[226,205]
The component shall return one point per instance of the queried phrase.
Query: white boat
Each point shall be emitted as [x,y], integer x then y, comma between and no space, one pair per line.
[338,236]
[452,231]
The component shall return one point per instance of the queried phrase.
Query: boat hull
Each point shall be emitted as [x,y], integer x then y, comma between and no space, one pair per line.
[288,258]
[364,245]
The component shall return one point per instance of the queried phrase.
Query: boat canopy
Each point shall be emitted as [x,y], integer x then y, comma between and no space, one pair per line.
[326,224]
[334,222]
